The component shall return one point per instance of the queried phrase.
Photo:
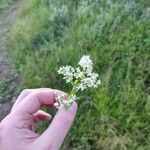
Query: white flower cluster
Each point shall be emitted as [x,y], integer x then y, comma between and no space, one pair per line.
[81,78]
[68,73]
[63,102]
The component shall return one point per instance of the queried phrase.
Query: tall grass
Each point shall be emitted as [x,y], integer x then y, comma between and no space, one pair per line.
[115,33]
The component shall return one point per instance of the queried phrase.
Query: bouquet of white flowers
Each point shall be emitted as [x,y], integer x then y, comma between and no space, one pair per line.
[80,78]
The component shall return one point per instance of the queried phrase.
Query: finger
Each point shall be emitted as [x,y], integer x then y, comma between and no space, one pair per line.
[33,102]
[59,127]
[23,94]
[41,116]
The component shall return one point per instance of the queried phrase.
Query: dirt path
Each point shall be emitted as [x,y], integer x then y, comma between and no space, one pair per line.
[8,78]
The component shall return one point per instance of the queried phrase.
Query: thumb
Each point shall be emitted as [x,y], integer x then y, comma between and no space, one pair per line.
[54,136]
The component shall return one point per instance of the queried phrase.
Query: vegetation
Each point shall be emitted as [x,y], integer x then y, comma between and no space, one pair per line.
[4,3]
[51,33]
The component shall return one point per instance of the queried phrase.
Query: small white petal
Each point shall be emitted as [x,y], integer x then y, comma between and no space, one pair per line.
[78,73]
[86,62]
[67,72]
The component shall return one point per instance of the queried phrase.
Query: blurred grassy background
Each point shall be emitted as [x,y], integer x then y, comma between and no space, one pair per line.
[52,33]
[4,4]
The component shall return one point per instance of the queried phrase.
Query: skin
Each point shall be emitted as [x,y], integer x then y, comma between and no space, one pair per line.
[17,129]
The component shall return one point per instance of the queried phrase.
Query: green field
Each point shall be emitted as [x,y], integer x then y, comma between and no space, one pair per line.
[116,34]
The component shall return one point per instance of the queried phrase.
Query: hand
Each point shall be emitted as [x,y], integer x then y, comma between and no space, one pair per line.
[17,129]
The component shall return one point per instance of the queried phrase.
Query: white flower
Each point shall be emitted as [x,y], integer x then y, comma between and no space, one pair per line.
[63,102]
[89,70]
[72,98]
[60,97]
[81,78]
[97,83]
[86,62]
[78,73]
[90,81]
[67,72]
[80,87]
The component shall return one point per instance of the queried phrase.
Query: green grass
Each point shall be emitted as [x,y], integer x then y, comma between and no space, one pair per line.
[49,34]
[4,4]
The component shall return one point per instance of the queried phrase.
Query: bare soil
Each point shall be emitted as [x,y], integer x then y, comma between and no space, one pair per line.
[9,80]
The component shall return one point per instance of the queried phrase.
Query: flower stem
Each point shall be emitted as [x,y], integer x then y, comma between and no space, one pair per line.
[73,90]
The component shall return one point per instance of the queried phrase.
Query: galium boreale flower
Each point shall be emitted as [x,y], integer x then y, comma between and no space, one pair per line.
[78,74]
[86,62]
[81,78]
[68,73]
[63,102]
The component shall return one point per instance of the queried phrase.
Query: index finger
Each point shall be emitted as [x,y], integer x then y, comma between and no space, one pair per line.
[36,99]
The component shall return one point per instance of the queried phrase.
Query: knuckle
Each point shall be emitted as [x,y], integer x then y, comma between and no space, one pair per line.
[34,93]
[25,91]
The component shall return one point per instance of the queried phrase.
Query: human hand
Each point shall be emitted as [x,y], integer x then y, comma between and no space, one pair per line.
[17,129]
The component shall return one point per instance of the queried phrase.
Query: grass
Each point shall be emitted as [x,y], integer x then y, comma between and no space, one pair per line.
[49,34]
[4,4]
[4,90]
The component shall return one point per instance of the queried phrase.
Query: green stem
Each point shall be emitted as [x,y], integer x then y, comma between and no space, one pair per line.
[73,91]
